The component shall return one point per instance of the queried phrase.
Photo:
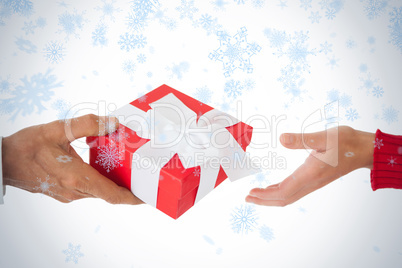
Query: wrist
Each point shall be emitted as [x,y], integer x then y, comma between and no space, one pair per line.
[364,141]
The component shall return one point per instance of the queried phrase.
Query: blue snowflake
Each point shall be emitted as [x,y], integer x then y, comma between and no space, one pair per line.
[244,219]
[261,179]
[5,86]
[239,2]
[209,24]
[249,84]
[129,67]
[203,94]
[99,35]
[368,83]
[25,45]
[21,7]
[187,9]
[378,91]
[266,233]
[140,41]
[306,4]
[292,81]
[141,58]
[70,23]
[54,52]
[371,40]
[233,88]
[130,41]
[374,8]
[108,9]
[390,114]
[170,24]
[31,95]
[326,48]
[363,68]
[331,8]
[277,39]
[144,7]
[350,43]
[136,22]
[282,4]
[351,114]
[29,27]
[396,27]
[333,95]
[62,107]
[315,17]
[258,3]
[41,22]
[73,253]
[345,101]
[179,69]
[333,62]
[219,4]
[235,52]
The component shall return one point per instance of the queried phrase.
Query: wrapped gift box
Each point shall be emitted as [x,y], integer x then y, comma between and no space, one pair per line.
[180,180]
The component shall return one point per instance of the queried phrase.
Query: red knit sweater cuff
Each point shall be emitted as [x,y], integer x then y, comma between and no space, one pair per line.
[387,161]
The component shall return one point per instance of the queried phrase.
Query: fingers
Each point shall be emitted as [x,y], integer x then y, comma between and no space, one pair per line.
[315,141]
[101,187]
[89,125]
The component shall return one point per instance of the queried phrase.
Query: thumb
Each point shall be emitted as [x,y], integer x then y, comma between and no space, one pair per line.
[316,141]
[90,125]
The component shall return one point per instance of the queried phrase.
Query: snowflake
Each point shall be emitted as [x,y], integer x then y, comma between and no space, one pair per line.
[333,62]
[62,107]
[187,9]
[54,52]
[292,81]
[126,42]
[136,22]
[282,4]
[277,39]
[170,24]
[371,40]
[351,114]
[235,52]
[239,2]
[345,101]
[368,83]
[25,45]
[306,4]
[144,7]
[203,94]
[209,24]
[44,186]
[41,22]
[392,161]
[129,67]
[205,20]
[326,48]
[243,219]
[4,86]
[29,28]
[64,158]
[70,23]
[315,17]
[266,233]
[258,3]
[25,98]
[390,114]
[99,35]
[179,69]
[141,58]
[396,27]
[73,253]
[219,4]
[260,179]
[140,41]
[22,7]
[350,43]
[108,9]
[109,157]
[378,91]
[197,172]
[249,84]
[378,143]
[233,88]
[374,8]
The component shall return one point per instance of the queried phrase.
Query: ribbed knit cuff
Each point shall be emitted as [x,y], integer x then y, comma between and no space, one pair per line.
[387,161]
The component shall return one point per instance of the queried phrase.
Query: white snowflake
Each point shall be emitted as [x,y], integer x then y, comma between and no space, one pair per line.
[143,99]
[64,158]
[244,219]
[392,161]
[109,157]
[378,143]
[197,172]
[73,253]
[44,186]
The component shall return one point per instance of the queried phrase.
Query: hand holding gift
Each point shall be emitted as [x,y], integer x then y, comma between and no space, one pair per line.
[40,159]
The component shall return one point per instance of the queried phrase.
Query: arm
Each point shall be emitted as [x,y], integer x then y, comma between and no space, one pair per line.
[41,159]
[335,153]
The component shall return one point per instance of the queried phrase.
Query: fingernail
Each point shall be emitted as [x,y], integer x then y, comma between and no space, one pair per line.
[248,200]
[287,138]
